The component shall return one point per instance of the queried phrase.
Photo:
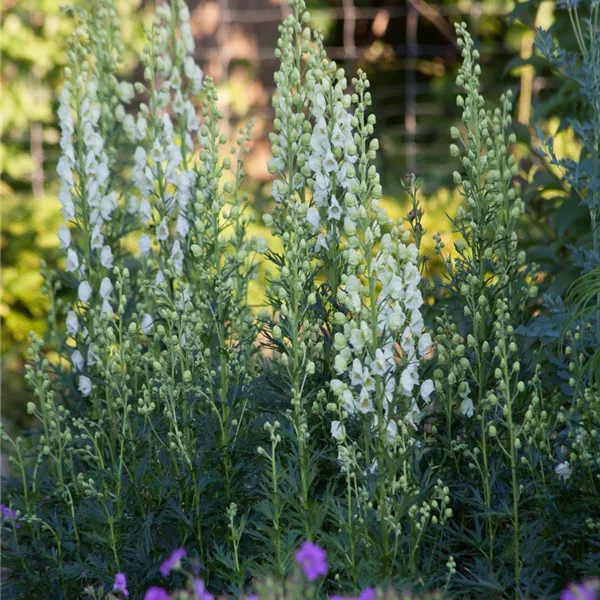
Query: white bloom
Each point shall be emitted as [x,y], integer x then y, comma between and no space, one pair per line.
[411,275]
[92,357]
[336,386]
[335,210]
[72,323]
[314,218]
[427,389]
[392,430]
[162,231]
[160,278]
[395,320]
[177,256]
[425,344]
[72,261]
[563,470]
[182,227]
[321,243]
[107,308]
[409,378]
[145,245]
[84,291]
[147,324]
[85,385]
[64,236]
[77,360]
[106,257]
[467,408]
[338,431]
[125,91]
[106,288]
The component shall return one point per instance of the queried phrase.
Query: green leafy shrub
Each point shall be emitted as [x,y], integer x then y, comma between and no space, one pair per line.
[171,416]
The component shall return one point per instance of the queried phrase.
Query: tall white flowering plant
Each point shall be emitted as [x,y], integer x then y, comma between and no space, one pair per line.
[175,421]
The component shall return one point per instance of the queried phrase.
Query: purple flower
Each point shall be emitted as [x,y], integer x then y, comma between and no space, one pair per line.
[581,591]
[201,592]
[156,593]
[173,562]
[335,597]
[367,594]
[10,514]
[313,560]
[121,584]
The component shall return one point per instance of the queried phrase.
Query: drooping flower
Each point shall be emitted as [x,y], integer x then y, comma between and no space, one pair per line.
[145,245]
[84,291]
[313,560]
[85,385]
[72,263]
[106,257]
[173,562]
[64,236]
[147,322]
[121,584]
[106,288]
[72,323]
[77,360]
[563,470]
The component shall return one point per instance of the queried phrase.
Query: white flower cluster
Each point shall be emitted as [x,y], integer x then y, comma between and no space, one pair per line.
[368,352]
[332,152]
[94,204]
[161,171]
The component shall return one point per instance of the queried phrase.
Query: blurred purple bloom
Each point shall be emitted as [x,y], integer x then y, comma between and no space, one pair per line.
[156,593]
[367,594]
[173,562]
[121,584]
[252,597]
[10,514]
[201,593]
[580,591]
[337,598]
[313,560]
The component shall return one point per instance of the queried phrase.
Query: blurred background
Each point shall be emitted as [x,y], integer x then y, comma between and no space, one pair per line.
[408,49]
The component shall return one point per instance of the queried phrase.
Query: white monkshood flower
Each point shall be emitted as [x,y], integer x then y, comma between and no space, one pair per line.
[107,308]
[425,344]
[77,360]
[314,218]
[335,210]
[563,470]
[72,263]
[177,256]
[409,378]
[338,431]
[106,288]
[84,291]
[106,257]
[92,357]
[64,236]
[85,386]
[427,388]
[72,323]
[182,227]
[147,324]
[467,408]
[145,245]
[162,231]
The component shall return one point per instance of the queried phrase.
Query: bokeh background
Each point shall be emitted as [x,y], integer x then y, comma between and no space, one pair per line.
[407,47]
